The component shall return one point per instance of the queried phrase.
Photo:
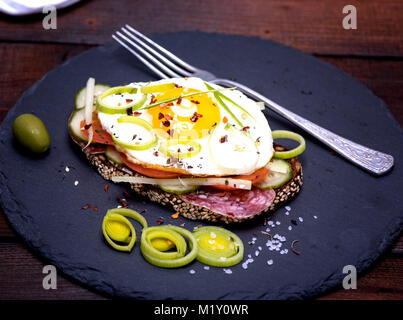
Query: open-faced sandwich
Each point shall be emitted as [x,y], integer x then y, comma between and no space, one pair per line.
[204,150]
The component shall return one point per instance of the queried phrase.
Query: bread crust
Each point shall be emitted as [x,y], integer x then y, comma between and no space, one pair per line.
[285,193]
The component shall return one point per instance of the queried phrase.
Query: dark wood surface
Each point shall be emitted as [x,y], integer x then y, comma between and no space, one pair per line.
[372,54]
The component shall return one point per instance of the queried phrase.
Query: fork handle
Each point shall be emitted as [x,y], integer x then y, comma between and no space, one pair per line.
[371,160]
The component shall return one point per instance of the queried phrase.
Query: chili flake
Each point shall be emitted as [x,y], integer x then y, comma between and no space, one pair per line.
[126,194]
[195,117]
[224,139]
[170,132]
[293,249]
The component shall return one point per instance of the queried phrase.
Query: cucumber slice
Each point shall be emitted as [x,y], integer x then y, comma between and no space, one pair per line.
[80,97]
[75,124]
[280,166]
[113,155]
[276,179]
[178,189]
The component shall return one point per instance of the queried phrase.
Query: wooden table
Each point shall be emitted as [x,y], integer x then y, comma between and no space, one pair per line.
[372,54]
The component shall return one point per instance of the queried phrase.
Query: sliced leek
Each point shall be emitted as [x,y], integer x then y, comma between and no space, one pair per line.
[162,244]
[284,134]
[173,259]
[236,183]
[136,145]
[114,109]
[218,247]
[117,228]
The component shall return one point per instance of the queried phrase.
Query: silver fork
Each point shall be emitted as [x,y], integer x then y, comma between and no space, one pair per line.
[167,65]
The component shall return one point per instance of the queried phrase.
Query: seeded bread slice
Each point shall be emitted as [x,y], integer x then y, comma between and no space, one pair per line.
[191,211]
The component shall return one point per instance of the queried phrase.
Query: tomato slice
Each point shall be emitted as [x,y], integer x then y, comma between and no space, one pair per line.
[152,173]
[254,177]
[100,135]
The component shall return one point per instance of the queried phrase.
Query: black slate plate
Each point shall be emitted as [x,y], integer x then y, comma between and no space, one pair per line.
[344,216]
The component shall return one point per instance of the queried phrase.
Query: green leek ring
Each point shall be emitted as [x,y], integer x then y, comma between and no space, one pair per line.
[219,260]
[284,134]
[122,219]
[119,215]
[140,146]
[121,234]
[174,263]
[205,234]
[168,234]
[106,108]
[130,214]
[162,244]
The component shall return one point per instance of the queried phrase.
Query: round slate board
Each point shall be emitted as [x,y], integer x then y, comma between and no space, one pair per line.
[343,216]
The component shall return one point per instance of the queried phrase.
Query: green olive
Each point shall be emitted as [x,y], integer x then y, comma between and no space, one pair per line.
[31,133]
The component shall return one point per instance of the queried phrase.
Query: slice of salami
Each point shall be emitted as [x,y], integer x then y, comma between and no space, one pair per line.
[236,203]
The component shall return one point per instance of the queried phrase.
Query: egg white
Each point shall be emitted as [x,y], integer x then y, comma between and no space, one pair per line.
[205,163]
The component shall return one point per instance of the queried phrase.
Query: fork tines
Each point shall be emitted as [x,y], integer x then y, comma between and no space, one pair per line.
[164,63]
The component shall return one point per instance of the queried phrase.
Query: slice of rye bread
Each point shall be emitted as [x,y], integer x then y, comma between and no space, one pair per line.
[189,210]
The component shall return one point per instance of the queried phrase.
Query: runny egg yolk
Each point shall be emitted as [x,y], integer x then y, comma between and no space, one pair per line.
[188,118]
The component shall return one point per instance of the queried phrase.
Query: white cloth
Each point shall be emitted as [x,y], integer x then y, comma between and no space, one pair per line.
[25,7]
